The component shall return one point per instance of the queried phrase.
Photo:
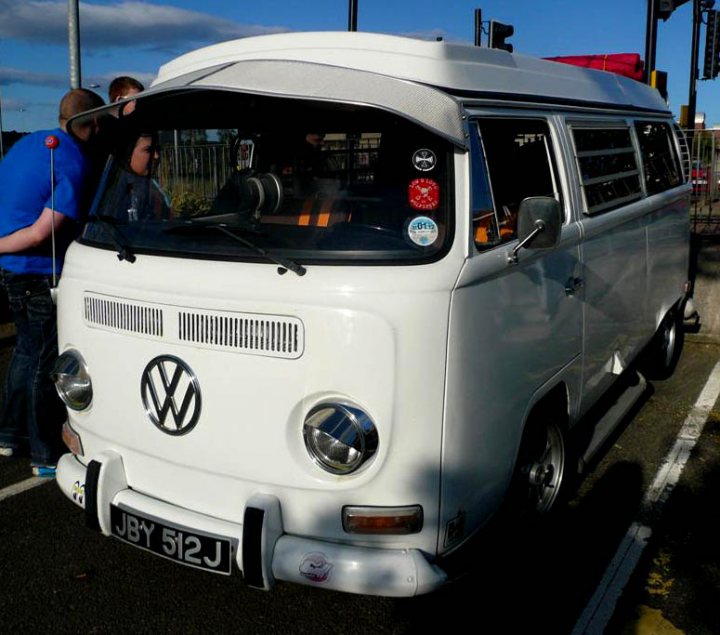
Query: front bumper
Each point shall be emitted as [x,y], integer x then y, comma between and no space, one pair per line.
[262,551]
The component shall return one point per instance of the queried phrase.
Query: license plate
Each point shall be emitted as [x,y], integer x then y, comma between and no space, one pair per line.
[187,546]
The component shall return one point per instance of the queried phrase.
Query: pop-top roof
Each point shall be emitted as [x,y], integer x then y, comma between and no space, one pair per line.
[458,68]
[424,81]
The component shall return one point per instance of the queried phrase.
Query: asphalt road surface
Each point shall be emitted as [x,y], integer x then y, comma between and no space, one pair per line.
[56,575]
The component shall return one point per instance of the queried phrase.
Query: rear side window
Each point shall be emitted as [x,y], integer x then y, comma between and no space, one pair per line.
[609,174]
[659,157]
[512,161]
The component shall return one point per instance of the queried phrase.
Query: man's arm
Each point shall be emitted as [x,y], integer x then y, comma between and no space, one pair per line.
[33,235]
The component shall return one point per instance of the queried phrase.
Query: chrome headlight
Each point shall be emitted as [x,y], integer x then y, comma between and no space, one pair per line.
[339,438]
[72,380]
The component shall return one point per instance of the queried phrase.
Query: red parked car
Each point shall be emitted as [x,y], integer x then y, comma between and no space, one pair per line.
[700,178]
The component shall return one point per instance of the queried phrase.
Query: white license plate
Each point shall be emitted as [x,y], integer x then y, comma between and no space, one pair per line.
[181,544]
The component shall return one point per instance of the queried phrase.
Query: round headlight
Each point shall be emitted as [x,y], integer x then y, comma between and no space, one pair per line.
[72,380]
[339,438]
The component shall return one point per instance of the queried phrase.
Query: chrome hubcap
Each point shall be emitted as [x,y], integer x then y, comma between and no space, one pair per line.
[669,341]
[545,469]
[542,475]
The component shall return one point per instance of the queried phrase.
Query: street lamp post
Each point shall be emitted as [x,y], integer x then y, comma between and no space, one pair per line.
[352,15]
[74,42]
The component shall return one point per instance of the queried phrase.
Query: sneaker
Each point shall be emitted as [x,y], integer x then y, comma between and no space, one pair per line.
[6,450]
[44,471]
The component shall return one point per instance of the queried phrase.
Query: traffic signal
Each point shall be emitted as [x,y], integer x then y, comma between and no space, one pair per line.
[500,32]
[711,61]
[683,119]
[658,80]
[666,7]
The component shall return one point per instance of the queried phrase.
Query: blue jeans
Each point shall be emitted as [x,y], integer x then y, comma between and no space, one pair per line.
[32,411]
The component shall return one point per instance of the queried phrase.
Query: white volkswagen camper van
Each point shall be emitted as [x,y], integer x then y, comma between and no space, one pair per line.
[344,296]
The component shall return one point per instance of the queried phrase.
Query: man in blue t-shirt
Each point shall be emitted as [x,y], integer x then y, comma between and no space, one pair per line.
[30,213]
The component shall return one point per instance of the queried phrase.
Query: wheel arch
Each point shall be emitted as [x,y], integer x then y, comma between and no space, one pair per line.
[674,307]
[555,400]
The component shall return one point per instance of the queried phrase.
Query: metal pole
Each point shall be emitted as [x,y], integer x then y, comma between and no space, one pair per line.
[650,39]
[352,15]
[712,169]
[74,42]
[478,26]
[176,161]
[2,147]
[692,95]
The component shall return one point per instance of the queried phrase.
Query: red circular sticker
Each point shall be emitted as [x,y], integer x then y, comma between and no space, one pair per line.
[424,194]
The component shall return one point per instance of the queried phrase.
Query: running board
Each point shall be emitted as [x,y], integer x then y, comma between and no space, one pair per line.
[613,416]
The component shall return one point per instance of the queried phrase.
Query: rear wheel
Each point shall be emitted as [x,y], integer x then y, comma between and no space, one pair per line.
[540,471]
[664,349]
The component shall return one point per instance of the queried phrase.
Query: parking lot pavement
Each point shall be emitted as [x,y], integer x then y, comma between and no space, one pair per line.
[675,587]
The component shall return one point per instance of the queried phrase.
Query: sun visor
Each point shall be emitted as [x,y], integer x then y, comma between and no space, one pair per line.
[429,107]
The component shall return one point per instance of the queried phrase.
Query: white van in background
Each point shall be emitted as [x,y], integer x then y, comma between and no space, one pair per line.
[368,295]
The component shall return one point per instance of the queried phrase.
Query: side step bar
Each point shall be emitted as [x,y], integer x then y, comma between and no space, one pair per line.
[636,387]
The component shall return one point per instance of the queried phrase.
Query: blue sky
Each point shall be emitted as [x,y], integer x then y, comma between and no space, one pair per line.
[136,37]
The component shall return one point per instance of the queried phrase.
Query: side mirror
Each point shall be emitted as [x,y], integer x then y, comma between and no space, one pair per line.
[539,224]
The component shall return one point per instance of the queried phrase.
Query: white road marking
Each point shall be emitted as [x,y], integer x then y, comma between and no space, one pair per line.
[600,609]
[23,486]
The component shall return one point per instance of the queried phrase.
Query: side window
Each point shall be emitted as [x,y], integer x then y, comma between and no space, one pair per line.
[660,161]
[606,160]
[516,157]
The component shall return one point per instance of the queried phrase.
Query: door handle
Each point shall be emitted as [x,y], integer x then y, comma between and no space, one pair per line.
[572,285]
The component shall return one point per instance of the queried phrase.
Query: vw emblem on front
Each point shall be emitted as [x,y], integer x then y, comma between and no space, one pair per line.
[171,395]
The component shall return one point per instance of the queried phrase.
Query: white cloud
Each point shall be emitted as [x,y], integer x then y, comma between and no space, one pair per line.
[13,105]
[137,24]
[10,76]
[18,76]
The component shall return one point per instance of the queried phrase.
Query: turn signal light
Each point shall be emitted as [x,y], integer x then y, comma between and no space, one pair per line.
[72,440]
[382,520]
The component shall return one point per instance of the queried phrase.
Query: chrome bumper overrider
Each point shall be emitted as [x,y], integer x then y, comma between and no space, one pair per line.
[262,551]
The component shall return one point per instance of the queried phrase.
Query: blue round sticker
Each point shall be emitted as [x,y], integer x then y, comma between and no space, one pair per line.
[423,231]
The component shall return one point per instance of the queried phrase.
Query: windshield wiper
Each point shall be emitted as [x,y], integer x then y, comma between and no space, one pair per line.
[117,238]
[284,263]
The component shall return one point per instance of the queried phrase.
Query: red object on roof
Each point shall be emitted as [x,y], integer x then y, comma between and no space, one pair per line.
[626,64]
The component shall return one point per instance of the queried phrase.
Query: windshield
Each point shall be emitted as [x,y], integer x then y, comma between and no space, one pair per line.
[229,176]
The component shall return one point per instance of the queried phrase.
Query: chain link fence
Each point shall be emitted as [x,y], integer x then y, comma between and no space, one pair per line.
[702,164]
[704,173]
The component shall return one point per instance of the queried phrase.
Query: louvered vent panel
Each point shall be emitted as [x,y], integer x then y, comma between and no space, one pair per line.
[122,315]
[255,334]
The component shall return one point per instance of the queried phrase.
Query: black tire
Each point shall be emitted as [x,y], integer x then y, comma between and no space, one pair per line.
[541,469]
[664,350]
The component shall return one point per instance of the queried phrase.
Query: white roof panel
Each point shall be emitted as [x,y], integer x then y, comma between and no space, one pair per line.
[455,68]
[430,83]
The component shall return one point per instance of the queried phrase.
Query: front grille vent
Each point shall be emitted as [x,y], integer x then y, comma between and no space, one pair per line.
[247,332]
[122,315]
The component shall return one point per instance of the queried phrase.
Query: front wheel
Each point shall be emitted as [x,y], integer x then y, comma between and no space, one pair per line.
[540,471]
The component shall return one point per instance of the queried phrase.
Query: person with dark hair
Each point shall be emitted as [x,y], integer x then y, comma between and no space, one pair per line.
[124,87]
[140,195]
[30,216]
